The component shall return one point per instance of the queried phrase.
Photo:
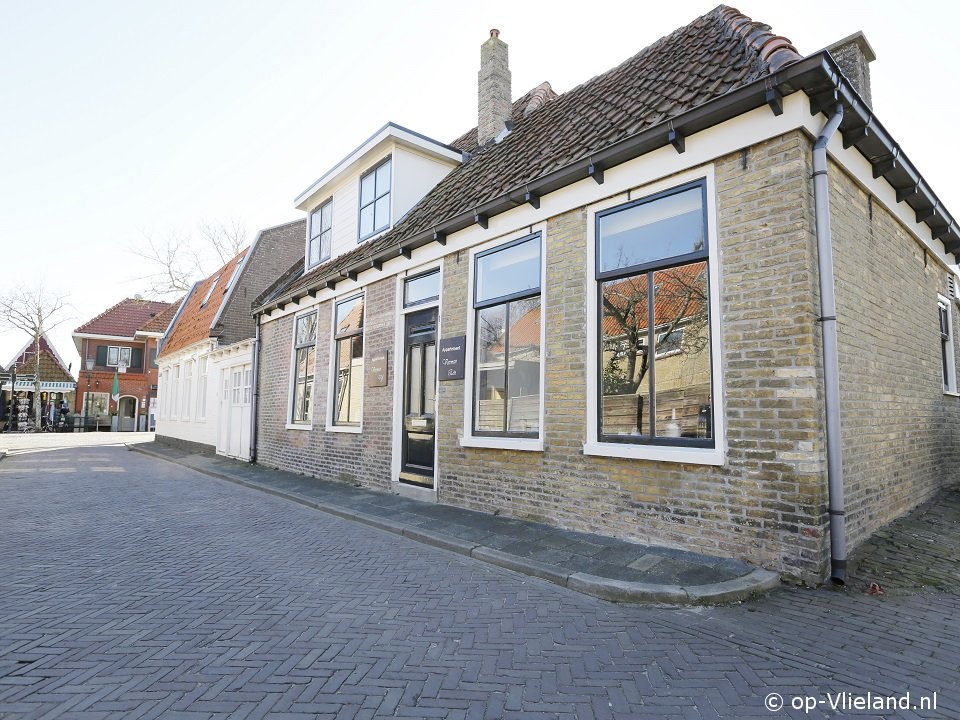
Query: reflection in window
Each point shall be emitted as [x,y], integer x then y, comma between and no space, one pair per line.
[507,356]
[348,359]
[375,200]
[661,396]
[305,347]
[321,232]
[422,288]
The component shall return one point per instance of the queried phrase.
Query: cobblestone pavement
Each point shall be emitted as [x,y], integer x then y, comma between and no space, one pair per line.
[133,588]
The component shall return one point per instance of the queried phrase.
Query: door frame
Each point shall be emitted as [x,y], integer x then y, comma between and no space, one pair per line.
[399,381]
[136,412]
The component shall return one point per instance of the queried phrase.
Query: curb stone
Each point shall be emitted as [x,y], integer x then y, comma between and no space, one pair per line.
[619,591]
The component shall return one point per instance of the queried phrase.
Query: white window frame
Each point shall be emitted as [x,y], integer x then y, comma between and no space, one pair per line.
[332,380]
[175,392]
[360,206]
[213,286]
[950,371]
[291,387]
[468,439]
[203,368]
[700,456]
[187,390]
[119,352]
[318,238]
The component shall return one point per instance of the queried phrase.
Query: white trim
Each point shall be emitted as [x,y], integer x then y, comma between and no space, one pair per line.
[950,387]
[292,375]
[701,456]
[123,338]
[297,426]
[400,376]
[388,132]
[468,439]
[329,425]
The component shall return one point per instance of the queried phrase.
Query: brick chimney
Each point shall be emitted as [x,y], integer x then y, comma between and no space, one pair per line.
[495,104]
[854,54]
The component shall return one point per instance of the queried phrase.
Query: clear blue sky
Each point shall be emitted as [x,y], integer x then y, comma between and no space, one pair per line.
[125,118]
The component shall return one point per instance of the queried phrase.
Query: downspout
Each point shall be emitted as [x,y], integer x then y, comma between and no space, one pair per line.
[831,368]
[255,392]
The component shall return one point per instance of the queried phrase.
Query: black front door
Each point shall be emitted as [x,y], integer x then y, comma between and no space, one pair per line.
[419,397]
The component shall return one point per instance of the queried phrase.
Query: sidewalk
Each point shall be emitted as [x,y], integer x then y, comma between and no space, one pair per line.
[604,567]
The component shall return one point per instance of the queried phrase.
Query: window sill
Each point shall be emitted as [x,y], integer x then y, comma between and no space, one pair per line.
[951,393]
[345,429]
[503,443]
[694,456]
[298,426]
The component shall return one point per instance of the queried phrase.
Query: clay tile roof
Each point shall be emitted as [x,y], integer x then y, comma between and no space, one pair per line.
[715,54]
[52,367]
[124,318]
[199,311]
[161,321]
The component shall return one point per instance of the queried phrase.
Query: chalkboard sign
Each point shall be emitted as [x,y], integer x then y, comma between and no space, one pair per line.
[453,353]
[377,372]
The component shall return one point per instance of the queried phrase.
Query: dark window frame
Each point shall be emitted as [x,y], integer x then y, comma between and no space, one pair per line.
[506,300]
[361,206]
[318,237]
[648,269]
[418,276]
[302,415]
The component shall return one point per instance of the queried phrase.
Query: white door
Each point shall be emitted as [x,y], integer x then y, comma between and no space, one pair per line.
[234,431]
[223,416]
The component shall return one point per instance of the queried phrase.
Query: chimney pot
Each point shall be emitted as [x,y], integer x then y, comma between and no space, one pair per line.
[495,103]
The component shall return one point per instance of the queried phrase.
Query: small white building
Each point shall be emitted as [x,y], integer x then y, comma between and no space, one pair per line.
[206,359]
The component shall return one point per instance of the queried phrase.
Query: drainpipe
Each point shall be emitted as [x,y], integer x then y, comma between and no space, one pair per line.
[831,369]
[254,393]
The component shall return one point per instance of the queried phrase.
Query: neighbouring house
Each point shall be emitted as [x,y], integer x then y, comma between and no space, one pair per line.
[120,344]
[702,300]
[206,357]
[57,384]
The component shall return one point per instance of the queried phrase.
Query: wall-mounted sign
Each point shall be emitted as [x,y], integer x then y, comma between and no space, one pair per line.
[377,372]
[453,353]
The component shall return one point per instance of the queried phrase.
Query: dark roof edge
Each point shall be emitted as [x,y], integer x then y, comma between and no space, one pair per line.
[818,75]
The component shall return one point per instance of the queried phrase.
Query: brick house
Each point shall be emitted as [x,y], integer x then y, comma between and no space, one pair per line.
[57,384]
[700,300]
[206,357]
[120,342]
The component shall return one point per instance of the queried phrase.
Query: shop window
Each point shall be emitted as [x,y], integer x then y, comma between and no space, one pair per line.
[348,362]
[305,348]
[507,353]
[655,376]
[375,200]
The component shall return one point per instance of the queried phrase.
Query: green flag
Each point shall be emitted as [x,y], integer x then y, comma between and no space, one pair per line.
[115,395]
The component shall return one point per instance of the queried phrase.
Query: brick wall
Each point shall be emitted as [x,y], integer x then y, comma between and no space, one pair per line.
[348,457]
[767,505]
[276,250]
[899,429]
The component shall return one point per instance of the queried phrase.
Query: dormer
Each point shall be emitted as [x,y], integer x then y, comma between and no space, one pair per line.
[367,192]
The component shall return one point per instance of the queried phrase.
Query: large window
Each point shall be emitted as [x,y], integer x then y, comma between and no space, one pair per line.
[375,200]
[187,388]
[348,362]
[305,348]
[946,346]
[506,300]
[321,232]
[202,388]
[655,376]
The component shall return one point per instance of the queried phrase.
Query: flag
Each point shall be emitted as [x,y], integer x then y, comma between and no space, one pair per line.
[115,395]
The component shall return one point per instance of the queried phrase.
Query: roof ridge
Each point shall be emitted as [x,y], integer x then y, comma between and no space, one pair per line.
[774,50]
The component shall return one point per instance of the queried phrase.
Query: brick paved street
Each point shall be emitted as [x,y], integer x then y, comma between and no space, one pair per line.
[131,587]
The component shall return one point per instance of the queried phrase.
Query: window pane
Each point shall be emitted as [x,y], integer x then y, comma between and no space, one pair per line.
[366,221]
[420,289]
[314,253]
[125,356]
[682,358]
[326,219]
[664,228]
[430,379]
[491,392]
[325,244]
[348,405]
[523,366]
[383,178]
[414,366]
[316,222]
[382,214]
[350,315]
[511,270]
[625,363]
[366,189]
[113,355]
[306,329]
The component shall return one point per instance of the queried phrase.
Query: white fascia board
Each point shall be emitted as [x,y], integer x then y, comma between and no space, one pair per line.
[389,132]
[92,336]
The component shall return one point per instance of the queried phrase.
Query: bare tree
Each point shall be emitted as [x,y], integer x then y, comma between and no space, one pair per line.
[180,259]
[35,311]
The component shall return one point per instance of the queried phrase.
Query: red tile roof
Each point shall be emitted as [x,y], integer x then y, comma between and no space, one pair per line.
[197,317]
[124,318]
[714,55]
[52,367]
[161,321]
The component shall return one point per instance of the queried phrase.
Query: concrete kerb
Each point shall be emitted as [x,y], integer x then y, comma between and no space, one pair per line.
[619,591]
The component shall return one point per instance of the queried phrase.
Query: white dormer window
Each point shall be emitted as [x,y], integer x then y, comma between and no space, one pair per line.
[321,224]
[375,200]
[213,286]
